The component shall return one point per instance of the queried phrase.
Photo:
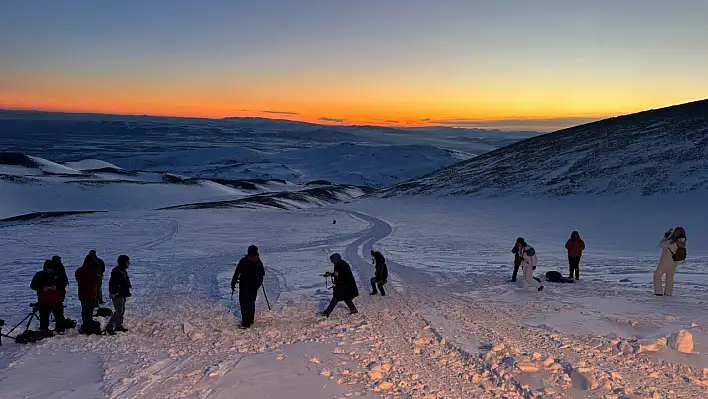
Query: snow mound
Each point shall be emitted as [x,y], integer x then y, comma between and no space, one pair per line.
[14,163]
[90,164]
[651,152]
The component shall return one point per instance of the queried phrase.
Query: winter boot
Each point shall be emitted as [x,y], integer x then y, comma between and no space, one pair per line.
[540,288]
[324,314]
[121,329]
[110,331]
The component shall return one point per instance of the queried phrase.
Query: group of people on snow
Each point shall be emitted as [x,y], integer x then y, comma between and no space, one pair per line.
[51,286]
[250,272]
[673,246]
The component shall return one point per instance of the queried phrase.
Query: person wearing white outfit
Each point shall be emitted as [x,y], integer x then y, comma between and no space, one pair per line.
[673,252]
[528,262]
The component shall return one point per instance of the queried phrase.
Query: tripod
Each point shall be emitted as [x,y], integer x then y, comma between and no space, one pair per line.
[31,316]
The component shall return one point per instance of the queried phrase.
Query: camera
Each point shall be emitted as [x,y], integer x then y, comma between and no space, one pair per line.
[328,274]
[668,233]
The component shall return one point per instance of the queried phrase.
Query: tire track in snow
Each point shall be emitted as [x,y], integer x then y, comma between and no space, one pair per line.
[172,228]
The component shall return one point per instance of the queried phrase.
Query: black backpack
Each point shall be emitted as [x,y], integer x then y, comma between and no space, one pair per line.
[554,276]
[679,255]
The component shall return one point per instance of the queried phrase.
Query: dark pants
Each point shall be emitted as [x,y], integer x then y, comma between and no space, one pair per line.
[574,262]
[87,311]
[117,318]
[333,303]
[99,299]
[58,311]
[247,301]
[517,263]
[380,284]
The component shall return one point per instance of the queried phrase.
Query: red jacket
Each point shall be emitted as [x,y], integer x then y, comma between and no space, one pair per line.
[575,247]
[88,279]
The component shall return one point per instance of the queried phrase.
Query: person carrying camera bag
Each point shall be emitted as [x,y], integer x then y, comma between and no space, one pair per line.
[673,252]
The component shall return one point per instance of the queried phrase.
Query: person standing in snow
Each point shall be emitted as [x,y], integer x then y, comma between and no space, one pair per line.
[249,277]
[88,278]
[102,272]
[575,246]
[673,252]
[49,285]
[344,286]
[528,263]
[119,291]
[381,274]
[517,259]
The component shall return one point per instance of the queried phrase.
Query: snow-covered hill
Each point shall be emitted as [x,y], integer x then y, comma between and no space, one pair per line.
[35,187]
[651,152]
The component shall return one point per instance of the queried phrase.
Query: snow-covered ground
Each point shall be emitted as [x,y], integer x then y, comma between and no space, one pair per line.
[452,325]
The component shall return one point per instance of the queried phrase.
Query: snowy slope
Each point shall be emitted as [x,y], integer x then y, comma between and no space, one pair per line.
[657,151]
[31,185]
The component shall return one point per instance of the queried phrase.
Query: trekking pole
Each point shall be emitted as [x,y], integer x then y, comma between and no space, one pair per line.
[266,297]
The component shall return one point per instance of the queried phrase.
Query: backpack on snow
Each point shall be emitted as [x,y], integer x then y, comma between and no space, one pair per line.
[679,255]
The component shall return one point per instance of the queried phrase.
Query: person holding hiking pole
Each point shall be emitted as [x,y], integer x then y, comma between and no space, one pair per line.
[249,277]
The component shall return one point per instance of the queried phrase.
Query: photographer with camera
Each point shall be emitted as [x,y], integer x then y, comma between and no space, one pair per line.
[49,286]
[381,274]
[673,252]
[60,270]
[344,285]
[249,276]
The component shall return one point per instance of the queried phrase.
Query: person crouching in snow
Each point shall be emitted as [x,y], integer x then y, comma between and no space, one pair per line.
[344,286]
[528,263]
[381,274]
[673,252]
[119,291]
[249,275]
[575,246]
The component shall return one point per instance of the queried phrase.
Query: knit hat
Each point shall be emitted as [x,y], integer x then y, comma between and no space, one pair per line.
[48,265]
[123,259]
[252,250]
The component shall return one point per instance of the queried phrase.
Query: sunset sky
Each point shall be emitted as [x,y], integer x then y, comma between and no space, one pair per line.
[542,64]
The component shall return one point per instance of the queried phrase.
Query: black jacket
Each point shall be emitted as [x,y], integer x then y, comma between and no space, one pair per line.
[344,282]
[381,268]
[44,279]
[119,284]
[517,256]
[249,274]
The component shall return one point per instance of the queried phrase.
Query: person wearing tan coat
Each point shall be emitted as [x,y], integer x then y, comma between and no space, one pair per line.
[674,239]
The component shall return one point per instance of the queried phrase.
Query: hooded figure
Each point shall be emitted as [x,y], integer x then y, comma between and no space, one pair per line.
[249,276]
[381,275]
[49,286]
[673,246]
[102,272]
[60,270]
[575,246]
[528,262]
[119,290]
[88,278]
[344,286]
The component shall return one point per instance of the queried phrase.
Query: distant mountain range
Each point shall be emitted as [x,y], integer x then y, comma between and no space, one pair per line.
[651,152]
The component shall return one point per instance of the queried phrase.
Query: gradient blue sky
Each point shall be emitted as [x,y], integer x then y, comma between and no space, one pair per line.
[464,63]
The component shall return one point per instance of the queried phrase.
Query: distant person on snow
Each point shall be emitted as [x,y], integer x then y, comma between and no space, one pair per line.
[381,274]
[575,246]
[344,286]
[517,259]
[88,277]
[249,277]
[49,286]
[119,291]
[673,252]
[102,272]
[528,263]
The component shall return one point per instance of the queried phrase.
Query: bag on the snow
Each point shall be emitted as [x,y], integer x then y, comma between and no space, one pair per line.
[93,328]
[679,255]
[557,277]
[33,336]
